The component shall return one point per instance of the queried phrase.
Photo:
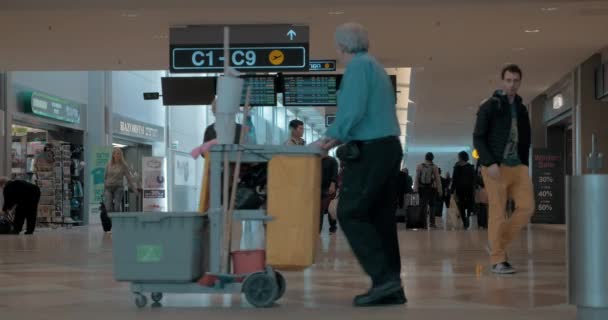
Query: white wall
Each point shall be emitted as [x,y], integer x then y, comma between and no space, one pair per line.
[187,129]
[127,96]
[70,85]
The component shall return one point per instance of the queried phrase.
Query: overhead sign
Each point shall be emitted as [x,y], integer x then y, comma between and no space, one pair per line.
[254,48]
[322,65]
[329,120]
[243,58]
[44,105]
[137,129]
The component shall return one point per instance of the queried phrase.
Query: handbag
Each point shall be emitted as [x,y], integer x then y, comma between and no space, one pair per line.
[333,207]
[6,223]
[348,152]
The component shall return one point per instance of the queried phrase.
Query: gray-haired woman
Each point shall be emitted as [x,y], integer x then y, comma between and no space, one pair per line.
[367,126]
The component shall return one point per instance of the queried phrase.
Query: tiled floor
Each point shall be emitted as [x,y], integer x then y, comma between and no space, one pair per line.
[67,274]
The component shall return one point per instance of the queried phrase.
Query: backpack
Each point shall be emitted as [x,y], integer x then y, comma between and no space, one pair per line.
[427,175]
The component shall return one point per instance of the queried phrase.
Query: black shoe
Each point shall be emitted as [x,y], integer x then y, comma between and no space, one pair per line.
[333,230]
[386,294]
[503,268]
[394,299]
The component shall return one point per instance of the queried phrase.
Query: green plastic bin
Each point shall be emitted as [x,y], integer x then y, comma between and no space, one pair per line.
[160,246]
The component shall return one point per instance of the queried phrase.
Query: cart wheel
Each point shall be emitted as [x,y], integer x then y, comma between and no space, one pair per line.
[282,285]
[261,289]
[156,296]
[140,300]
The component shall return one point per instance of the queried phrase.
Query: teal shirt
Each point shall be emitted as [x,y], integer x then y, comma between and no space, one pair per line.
[511,157]
[366,103]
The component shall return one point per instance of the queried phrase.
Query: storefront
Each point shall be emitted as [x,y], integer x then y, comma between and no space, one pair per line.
[553,145]
[47,148]
[136,139]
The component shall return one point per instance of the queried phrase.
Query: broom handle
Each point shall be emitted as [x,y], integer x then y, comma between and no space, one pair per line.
[235,179]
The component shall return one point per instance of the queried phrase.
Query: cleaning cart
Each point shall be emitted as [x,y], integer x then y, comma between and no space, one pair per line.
[176,252]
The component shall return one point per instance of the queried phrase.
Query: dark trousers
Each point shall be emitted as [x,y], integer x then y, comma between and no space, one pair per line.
[465,203]
[27,210]
[367,206]
[428,202]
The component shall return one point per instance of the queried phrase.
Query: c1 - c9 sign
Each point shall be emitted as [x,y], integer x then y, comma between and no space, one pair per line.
[243,58]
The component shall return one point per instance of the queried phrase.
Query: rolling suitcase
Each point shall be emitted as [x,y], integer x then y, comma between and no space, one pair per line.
[414,216]
[482,215]
[415,219]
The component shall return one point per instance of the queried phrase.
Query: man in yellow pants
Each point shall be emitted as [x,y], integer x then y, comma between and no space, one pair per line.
[503,137]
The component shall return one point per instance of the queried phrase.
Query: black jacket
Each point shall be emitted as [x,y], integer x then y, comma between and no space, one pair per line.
[464,178]
[210,133]
[493,128]
[19,193]
[405,184]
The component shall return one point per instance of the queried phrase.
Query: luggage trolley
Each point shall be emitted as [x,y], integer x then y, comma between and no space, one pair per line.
[162,252]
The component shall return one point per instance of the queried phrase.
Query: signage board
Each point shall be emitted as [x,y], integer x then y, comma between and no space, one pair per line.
[138,129]
[548,180]
[100,157]
[45,105]
[154,184]
[322,65]
[253,48]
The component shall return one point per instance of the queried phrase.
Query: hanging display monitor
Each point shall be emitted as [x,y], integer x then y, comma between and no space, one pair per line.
[310,90]
[263,91]
[188,91]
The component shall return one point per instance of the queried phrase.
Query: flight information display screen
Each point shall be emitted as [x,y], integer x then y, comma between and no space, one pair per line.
[310,90]
[263,91]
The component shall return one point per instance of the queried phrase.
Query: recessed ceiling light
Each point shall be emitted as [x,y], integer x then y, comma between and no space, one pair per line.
[532,31]
[518,49]
[336,12]
[549,9]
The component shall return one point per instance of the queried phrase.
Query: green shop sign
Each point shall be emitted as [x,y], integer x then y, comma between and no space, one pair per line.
[44,105]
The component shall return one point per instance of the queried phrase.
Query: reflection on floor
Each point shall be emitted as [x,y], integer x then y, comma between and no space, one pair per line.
[67,274]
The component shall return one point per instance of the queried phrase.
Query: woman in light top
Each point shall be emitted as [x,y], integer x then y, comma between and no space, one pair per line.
[116,171]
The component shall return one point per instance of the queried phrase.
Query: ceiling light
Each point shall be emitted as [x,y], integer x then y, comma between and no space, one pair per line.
[130,15]
[549,9]
[532,31]
[118,145]
[518,49]
[336,12]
